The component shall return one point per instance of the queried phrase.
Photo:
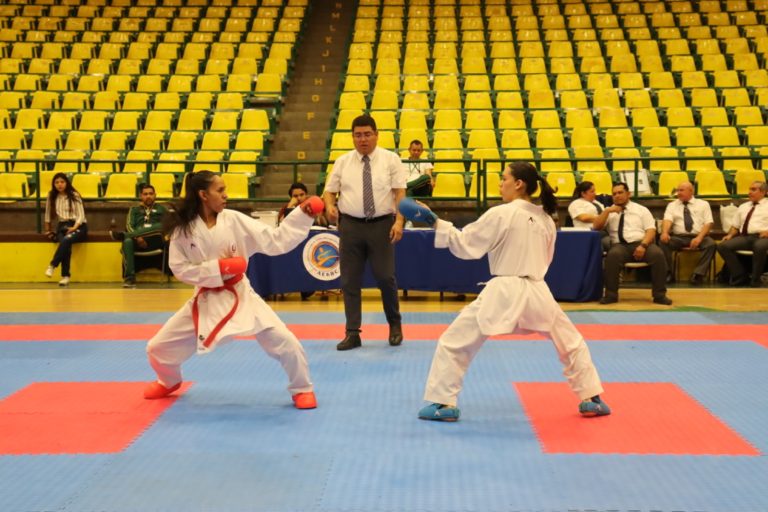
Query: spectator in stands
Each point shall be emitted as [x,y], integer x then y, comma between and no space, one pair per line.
[633,230]
[65,203]
[687,221]
[298,194]
[584,209]
[748,232]
[419,173]
[210,248]
[370,183]
[144,229]
[519,238]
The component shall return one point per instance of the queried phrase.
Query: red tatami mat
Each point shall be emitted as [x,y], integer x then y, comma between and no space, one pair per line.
[648,418]
[592,332]
[77,417]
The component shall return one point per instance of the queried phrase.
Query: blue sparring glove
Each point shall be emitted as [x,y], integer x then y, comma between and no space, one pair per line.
[415,212]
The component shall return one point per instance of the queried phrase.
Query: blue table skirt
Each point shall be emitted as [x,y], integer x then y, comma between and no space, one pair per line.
[575,274]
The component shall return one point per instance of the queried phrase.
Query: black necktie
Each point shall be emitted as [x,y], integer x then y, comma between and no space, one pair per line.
[598,208]
[687,218]
[745,227]
[621,229]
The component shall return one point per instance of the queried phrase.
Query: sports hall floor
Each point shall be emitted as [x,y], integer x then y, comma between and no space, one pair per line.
[687,384]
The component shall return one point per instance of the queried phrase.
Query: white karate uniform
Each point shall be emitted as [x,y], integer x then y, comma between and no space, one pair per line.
[194,259]
[519,238]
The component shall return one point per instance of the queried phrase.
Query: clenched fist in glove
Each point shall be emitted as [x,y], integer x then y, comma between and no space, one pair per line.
[233,266]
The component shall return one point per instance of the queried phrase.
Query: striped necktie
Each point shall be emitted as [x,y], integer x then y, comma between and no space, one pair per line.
[369,207]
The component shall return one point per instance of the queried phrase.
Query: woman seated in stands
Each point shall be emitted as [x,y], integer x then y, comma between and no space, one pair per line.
[584,208]
[65,204]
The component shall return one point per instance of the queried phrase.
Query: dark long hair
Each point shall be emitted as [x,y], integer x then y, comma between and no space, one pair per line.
[190,206]
[533,180]
[72,194]
[581,188]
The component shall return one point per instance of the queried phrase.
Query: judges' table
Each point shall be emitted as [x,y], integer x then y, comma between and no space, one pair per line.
[575,274]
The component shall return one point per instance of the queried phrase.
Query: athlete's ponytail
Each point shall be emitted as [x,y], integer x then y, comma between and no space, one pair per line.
[533,181]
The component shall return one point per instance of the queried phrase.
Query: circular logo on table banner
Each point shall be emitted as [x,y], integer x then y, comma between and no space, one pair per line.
[321,257]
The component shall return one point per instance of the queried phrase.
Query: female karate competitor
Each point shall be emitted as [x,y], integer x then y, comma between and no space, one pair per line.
[210,247]
[519,238]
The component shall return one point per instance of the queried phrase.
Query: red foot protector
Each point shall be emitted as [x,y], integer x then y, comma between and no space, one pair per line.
[77,417]
[647,418]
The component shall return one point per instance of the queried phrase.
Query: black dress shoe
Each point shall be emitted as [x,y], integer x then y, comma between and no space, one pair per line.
[608,299]
[117,236]
[697,279]
[349,342]
[395,335]
[740,281]
[663,300]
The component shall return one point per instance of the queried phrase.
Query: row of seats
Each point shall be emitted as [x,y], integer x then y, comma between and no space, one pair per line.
[261,84]
[16,53]
[113,100]
[133,120]
[149,140]
[543,98]
[559,49]
[458,119]
[162,8]
[546,9]
[119,186]
[30,161]
[647,137]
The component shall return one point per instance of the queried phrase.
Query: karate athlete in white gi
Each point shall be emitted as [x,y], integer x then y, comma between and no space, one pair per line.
[210,247]
[519,238]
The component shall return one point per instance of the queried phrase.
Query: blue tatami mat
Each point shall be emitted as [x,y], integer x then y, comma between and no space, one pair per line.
[233,442]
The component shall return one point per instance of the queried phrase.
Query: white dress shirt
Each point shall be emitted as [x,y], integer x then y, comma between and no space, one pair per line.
[581,206]
[346,179]
[701,213]
[759,220]
[414,170]
[637,219]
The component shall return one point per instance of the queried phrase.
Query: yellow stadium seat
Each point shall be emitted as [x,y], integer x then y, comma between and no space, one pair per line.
[204,161]
[689,136]
[664,159]
[121,186]
[711,184]
[562,182]
[449,185]
[29,161]
[619,138]
[653,136]
[743,178]
[582,154]
[87,184]
[548,165]
[237,185]
[137,162]
[707,162]
[601,180]
[104,161]
[246,162]
[253,141]
[113,140]
[13,186]
[669,180]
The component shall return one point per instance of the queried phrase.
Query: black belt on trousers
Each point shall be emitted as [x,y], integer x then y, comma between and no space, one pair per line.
[364,220]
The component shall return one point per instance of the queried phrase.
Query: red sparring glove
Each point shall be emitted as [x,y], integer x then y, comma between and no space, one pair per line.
[314,206]
[233,266]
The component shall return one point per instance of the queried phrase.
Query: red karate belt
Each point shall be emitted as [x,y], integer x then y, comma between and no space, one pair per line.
[229,285]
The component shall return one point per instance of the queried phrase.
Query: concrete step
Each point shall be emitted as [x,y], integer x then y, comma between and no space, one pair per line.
[300,141]
[299,121]
[289,155]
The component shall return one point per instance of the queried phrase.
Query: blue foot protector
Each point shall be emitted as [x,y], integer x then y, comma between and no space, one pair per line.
[595,407]
[439,412]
